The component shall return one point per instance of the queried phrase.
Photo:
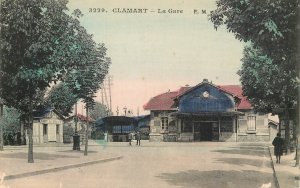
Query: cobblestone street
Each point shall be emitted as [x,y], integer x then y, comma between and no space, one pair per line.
[203,164]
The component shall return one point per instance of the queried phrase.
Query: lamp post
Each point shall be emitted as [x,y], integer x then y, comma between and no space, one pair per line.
[86,130]
[76,137]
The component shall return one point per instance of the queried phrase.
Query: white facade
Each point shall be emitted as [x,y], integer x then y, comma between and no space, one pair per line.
[48,128]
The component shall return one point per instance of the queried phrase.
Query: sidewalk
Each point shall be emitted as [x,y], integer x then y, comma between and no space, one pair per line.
[285,172]
[13,160]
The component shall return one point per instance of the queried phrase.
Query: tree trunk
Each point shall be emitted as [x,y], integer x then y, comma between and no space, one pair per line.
[30,133]
[287,131]
[1,128]
[280,122]
[296,133]
[22,132]
[86,131]
[298,98]
[297,151]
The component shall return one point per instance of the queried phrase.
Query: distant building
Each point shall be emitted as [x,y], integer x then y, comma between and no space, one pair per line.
[274,128]
[117,128]
[69,124]
[206,112]
[143,126]
[47,126]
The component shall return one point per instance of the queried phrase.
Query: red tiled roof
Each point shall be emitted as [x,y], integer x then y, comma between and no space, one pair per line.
[237,90]
[183,90]
[84,118]
[165,101]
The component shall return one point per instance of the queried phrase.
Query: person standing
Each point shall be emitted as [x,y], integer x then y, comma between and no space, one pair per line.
[138,138]
[130,136]
[278,147]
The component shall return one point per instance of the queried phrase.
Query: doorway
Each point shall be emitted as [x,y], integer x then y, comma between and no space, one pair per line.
[203,131]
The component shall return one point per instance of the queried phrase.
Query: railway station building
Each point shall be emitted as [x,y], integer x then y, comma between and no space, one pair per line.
[207,112]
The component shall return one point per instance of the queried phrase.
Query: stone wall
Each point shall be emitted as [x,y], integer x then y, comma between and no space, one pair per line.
[170,137]
[154,137]
[227,137]
[253,137]
[186,137]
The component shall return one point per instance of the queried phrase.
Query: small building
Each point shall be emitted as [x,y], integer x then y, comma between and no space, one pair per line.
[206,112]
[69,127]
[117,128]
[47,126]
[143,126]
[274,128]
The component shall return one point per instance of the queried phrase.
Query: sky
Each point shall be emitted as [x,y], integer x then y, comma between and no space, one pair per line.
[154,52]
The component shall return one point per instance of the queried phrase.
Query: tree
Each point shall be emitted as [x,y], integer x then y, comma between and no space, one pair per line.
[85,82]
[270,27]
[61,98]
[98,111]
[267,87]
[26,63]
[41,43]
[11,125]
[1,125]
[89,70]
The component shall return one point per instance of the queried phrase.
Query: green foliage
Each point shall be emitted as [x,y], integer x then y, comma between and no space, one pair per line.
[268,73]
[11,120]
[61,98]
[42,44]
[85,80]
[270,24]
[11,126]
[264,82]
[32,32]
[99,111]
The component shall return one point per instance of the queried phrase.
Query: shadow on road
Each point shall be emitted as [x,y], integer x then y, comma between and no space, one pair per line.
[41,156]
[243,161]
[219,178]
[255,151]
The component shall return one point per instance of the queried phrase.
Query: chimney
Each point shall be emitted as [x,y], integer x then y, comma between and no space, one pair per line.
[205,80]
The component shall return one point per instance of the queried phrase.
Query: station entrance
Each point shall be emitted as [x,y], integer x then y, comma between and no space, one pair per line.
[203,131]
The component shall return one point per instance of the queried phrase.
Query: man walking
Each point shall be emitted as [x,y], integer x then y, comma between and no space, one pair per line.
[278,146]
[130,138]
[138,138]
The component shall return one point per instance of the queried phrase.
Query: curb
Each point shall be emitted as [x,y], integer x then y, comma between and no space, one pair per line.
[56,169]
[274,172]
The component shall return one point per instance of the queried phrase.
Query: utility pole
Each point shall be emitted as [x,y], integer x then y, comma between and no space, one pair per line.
[106,101]
[125,110]
[109,88]
[117,111]
[106,85]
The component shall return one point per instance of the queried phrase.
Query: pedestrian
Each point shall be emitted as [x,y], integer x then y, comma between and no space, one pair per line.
[138,138]
[130,138]
[278,147]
